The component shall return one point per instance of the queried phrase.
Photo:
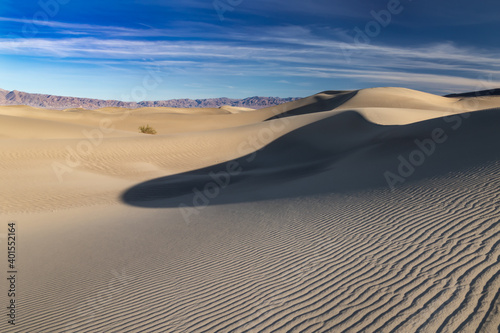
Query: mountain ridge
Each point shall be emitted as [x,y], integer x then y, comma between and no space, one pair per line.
[47,101]
[480,93]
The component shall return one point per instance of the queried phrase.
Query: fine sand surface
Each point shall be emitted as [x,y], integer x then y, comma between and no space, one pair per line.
[348,211]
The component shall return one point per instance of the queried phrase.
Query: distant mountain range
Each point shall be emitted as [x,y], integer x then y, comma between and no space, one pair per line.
[482,93]
[62,102]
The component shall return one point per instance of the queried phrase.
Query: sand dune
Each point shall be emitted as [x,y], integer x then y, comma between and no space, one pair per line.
[347,211]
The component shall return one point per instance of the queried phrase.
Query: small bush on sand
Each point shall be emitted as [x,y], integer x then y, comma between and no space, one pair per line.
[147,129]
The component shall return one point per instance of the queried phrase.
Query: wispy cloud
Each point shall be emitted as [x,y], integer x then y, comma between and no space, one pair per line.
[64,28]
[444,56]
[287,51]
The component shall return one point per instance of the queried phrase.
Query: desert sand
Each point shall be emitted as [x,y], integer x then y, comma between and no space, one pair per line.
[348,211]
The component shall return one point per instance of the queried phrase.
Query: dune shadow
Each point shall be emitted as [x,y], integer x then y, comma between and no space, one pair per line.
[319,103]
[338,154]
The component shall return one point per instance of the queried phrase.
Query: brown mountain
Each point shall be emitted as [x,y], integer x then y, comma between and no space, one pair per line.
[63,102]
[482,93]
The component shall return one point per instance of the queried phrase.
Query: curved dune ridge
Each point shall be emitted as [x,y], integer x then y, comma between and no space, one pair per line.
[351,211]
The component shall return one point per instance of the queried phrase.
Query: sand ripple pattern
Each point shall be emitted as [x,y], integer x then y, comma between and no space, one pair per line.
[421,264]
[424,258]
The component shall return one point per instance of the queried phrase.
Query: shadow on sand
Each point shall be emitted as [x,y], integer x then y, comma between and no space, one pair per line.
[341,153]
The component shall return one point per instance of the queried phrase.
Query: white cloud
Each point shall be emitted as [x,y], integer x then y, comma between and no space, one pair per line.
[64,28]
[287,51]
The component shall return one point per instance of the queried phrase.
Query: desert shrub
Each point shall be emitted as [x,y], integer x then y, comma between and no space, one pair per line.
[147,129]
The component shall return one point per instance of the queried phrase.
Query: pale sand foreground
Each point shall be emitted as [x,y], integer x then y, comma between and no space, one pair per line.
[307,237]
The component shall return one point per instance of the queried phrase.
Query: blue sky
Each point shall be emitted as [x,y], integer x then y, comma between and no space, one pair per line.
[162,49]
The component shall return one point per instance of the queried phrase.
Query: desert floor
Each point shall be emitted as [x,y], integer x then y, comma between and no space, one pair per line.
[357,211]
